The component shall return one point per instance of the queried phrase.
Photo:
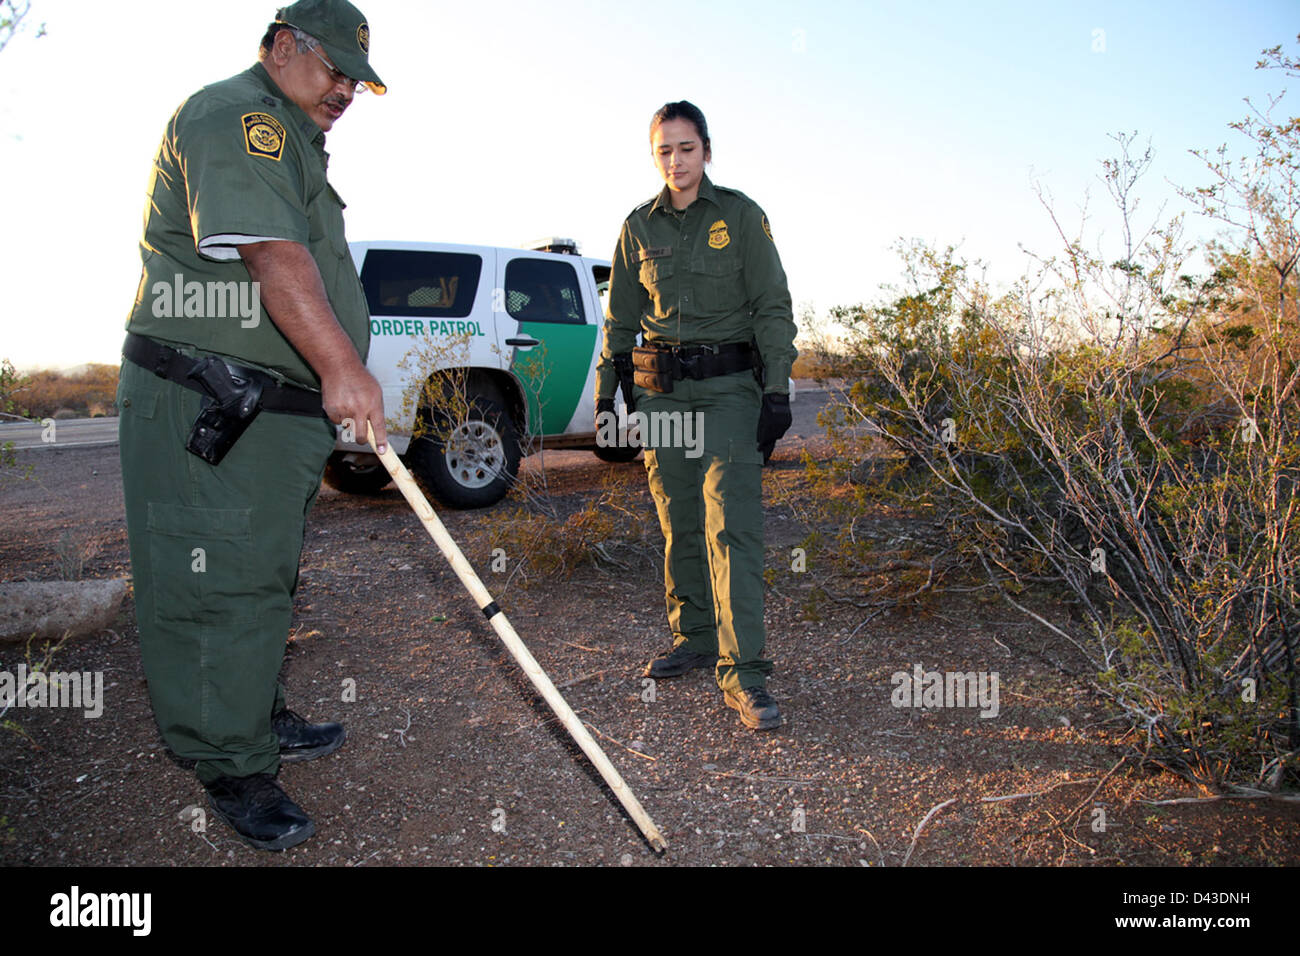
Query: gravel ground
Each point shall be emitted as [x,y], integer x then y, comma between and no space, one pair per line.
[453,759]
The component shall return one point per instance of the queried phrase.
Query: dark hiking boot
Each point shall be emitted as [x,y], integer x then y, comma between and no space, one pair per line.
[259,811]
[300,740]
[758,711]
[678,661]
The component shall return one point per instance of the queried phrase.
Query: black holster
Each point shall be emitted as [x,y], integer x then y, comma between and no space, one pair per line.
[232,394]
[623,368]
[230,404]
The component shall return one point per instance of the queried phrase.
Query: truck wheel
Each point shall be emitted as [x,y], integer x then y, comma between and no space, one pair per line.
[355,473]
[478,462]
[618,454]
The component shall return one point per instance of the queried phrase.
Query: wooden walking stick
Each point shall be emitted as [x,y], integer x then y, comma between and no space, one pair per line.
[496,617]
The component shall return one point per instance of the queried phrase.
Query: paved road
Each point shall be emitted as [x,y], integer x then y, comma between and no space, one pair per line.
[808,401]
[64,433]
[72,432]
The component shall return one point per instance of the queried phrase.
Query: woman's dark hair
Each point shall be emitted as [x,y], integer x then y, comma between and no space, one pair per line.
[682,110]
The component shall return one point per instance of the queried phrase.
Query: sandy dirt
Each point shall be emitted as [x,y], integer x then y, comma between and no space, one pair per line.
[453,759]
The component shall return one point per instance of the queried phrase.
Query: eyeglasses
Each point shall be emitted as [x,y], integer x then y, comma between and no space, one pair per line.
[337,76]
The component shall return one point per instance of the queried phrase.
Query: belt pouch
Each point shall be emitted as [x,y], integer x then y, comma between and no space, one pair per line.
[654,369]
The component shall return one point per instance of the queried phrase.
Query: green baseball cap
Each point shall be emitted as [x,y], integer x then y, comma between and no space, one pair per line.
[343,33]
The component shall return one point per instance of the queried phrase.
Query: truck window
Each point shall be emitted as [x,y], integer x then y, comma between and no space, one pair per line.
[540,290]
[432,284]
[600,274]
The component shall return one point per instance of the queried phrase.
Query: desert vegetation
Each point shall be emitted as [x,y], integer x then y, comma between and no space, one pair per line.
[1111,447]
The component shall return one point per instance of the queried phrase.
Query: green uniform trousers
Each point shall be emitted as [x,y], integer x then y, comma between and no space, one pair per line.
[710,503]
[214,560]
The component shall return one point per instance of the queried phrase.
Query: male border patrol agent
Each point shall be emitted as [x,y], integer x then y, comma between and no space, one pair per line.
[705,287]
[225,411]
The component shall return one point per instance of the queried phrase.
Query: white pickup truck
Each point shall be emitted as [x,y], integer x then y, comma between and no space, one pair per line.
[526,324]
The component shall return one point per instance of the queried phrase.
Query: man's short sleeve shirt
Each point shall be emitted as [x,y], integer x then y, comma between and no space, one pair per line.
[239,163]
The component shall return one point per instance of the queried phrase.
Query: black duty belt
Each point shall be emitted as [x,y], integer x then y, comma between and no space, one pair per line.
[166,362]
[708,361]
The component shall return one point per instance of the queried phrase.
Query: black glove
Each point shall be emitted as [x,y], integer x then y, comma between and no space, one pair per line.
[603,405]
[773,421]
[623,369]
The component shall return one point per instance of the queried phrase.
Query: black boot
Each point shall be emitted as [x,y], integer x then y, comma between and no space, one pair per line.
[678,661]
[758,711]
[300,740]
[259,811]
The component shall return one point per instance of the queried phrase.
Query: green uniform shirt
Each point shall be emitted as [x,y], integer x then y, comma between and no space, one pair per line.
[703,277]
[240,163]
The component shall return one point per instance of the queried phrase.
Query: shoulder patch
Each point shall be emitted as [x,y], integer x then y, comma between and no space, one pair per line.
[718,238]
[263,135]
[767,228]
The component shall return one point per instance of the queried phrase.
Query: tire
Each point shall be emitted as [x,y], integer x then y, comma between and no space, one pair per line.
[355,473]
[618,454]
[478,463]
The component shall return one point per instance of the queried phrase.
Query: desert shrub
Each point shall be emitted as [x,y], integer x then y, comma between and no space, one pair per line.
[88,392]
[441,388]
[1121,437]
[606,532]
[11,386]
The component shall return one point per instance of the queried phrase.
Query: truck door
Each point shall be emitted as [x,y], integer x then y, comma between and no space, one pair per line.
[550,337]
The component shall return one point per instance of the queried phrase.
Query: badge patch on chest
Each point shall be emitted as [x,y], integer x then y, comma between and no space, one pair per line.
[718,237]
[263,135]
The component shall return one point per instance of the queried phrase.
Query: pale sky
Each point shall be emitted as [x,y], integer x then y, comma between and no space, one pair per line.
[854,124]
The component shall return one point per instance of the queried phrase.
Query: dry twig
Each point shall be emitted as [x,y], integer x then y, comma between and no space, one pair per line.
[921,826]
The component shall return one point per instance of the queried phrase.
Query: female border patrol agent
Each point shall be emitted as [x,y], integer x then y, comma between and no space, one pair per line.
[697,275]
